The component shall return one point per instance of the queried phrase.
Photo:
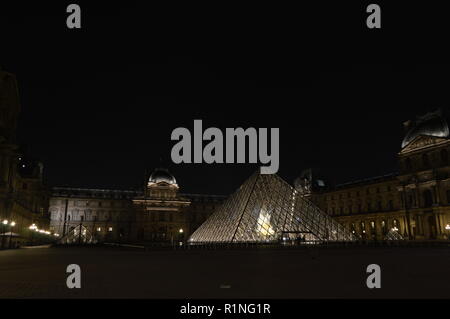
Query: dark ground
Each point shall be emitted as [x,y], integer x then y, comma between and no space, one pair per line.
[264,273]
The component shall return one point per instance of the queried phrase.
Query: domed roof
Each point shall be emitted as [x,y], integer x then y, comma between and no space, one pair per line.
[430,124]
[162,175]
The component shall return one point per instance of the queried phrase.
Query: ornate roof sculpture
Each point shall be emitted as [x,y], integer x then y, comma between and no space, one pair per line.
[433,124]
[267,209]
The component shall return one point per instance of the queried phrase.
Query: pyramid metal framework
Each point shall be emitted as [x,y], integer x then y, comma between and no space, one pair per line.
[267,209]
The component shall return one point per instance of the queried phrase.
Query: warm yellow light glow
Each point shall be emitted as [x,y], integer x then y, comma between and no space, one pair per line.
[99,229]
[47,232]
[110,229]
[13,224]
[181,230]
[5,222]
[263,226]
[56,235]
[447,226]
[33,227]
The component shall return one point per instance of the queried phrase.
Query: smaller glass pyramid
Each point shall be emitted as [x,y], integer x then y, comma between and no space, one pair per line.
[267,209]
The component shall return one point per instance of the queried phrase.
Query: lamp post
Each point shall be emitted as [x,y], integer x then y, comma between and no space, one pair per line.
[181,236]
[4,223]
[447,228]
[32,228]
[11,225]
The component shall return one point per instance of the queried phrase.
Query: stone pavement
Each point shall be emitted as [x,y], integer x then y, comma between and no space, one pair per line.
[256,273]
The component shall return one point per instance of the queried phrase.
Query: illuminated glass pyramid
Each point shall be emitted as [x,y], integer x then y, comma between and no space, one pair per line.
[266,209]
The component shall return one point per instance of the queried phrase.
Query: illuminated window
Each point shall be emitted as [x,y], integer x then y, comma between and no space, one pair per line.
[110,229]
[99,229]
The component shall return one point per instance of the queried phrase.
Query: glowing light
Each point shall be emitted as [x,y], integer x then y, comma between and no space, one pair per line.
[263,226]
[394,228]
[181,230]
[5,222]
[110,229]
[99,229]
[33,227]
[13,224]
[447,227]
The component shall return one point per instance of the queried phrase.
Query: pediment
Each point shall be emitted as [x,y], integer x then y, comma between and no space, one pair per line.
[423,141]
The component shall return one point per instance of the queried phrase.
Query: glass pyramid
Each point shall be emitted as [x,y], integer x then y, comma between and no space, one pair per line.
[267,209]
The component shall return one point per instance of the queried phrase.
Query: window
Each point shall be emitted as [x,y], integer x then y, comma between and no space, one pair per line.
[408,165]
[425,161]
[395,224]
[444,157]
[353,228]
[391,204]
[379,206]
[383,227]
[363,228]
[427,198]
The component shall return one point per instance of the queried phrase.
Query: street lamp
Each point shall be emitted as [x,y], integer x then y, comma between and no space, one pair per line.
[181,231]
[12,224]
[33,228]
[4,223]
[447,228]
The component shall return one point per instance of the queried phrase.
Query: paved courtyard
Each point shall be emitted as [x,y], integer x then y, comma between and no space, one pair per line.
[254,273]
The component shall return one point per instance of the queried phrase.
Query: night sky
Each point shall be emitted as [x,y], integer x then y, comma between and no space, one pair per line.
[99,104]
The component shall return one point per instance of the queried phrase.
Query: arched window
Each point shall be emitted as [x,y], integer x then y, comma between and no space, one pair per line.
[395,225]
[353,228]
[363,228]
[383,227]
[444,157]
